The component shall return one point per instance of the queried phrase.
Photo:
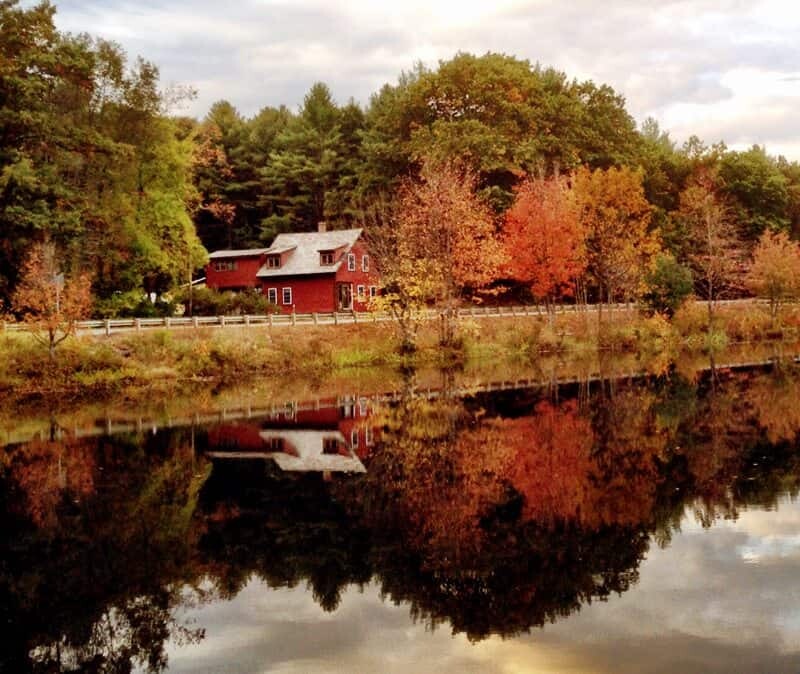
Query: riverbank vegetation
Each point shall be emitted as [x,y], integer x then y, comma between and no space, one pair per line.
[166,359]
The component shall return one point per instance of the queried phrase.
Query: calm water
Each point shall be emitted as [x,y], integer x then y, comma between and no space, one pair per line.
[629,525]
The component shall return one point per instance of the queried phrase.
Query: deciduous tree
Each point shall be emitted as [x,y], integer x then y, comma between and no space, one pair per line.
[620,245]
[442,244]
[47,300]
[775,271]
[716,253]
[544,239]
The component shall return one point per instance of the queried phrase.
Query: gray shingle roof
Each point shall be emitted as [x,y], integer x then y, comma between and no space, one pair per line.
[304,259]
[249,252]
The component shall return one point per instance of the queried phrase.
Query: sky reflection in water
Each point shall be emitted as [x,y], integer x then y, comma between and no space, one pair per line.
[723,599]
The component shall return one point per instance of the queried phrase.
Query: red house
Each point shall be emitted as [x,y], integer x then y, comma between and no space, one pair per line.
[304,272]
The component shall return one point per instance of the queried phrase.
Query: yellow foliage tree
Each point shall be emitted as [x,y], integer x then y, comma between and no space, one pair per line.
[620,245]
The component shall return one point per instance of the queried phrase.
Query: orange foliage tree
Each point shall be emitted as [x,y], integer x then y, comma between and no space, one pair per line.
[443,243]
[49,302]
[775,270]
[551,462]
[620,246]
[543,238]
[716,247]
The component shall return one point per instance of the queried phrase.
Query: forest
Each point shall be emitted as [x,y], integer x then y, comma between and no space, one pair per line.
[543,184]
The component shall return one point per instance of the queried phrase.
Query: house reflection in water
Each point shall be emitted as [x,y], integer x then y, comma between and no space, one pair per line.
[331,437]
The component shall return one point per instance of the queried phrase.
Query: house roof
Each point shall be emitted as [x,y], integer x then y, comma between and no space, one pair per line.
[305,259]
[306,452]
[247,252]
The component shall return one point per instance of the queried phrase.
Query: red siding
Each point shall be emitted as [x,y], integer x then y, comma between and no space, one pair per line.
[309,293]
[244,276]
[358,277]
[312,293]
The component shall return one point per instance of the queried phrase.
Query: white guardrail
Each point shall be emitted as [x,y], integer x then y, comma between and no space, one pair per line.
[110,325]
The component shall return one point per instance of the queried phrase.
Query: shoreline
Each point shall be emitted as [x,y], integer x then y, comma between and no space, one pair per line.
[163,362]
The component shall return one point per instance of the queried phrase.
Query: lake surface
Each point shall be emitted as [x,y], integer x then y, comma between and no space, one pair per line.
[604,524]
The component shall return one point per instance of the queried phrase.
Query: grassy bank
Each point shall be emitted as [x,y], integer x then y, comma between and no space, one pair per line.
[165,359]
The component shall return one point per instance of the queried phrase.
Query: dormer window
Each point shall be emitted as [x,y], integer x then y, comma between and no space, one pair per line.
[273,261]
[327,257]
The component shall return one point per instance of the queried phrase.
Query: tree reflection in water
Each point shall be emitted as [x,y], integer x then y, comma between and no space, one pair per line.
[493,514]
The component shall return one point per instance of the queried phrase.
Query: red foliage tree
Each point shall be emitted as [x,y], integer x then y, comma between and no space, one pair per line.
[544,238]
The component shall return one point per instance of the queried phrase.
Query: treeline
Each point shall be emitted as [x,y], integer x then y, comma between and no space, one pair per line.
[93,159]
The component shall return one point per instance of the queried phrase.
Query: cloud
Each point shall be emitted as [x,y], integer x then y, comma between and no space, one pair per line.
[715,600]
[659,55]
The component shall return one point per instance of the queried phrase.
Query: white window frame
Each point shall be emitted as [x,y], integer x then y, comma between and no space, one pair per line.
[368,436]
[284,299]
[354,439]
[373,291]
[351,262]
[361,292]
[273,262]
[272,295]
[365,263]
[225,265]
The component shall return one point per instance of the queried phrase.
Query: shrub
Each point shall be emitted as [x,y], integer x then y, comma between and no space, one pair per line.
[209,302]
[668,285]
[691,319]
[132,304]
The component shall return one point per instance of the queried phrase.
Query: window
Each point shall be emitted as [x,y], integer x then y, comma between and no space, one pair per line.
[274,444]
[351,262]
[286,295]
[330,445]
[365,263]
[225,265]
[273,261]
[368,436]
[373,291]
[353,439]
[327,257]
[272,295]
[361,292]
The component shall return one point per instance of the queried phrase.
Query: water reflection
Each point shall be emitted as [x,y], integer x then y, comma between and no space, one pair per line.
[490,514]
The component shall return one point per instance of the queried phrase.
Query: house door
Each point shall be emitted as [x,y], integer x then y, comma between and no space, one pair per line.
[344,297]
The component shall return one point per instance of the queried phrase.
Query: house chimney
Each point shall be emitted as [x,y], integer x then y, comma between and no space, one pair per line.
[322,226]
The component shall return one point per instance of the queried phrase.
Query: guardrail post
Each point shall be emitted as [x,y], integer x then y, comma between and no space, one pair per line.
[167,322]
[355,317]
[336,318]
[137,324]
[246,319]
[270,320]
[195,322]
[314,318]
[294,317]
[107,326]
[222,321]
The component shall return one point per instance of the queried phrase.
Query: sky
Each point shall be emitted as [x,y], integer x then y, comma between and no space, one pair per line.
[721,69]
